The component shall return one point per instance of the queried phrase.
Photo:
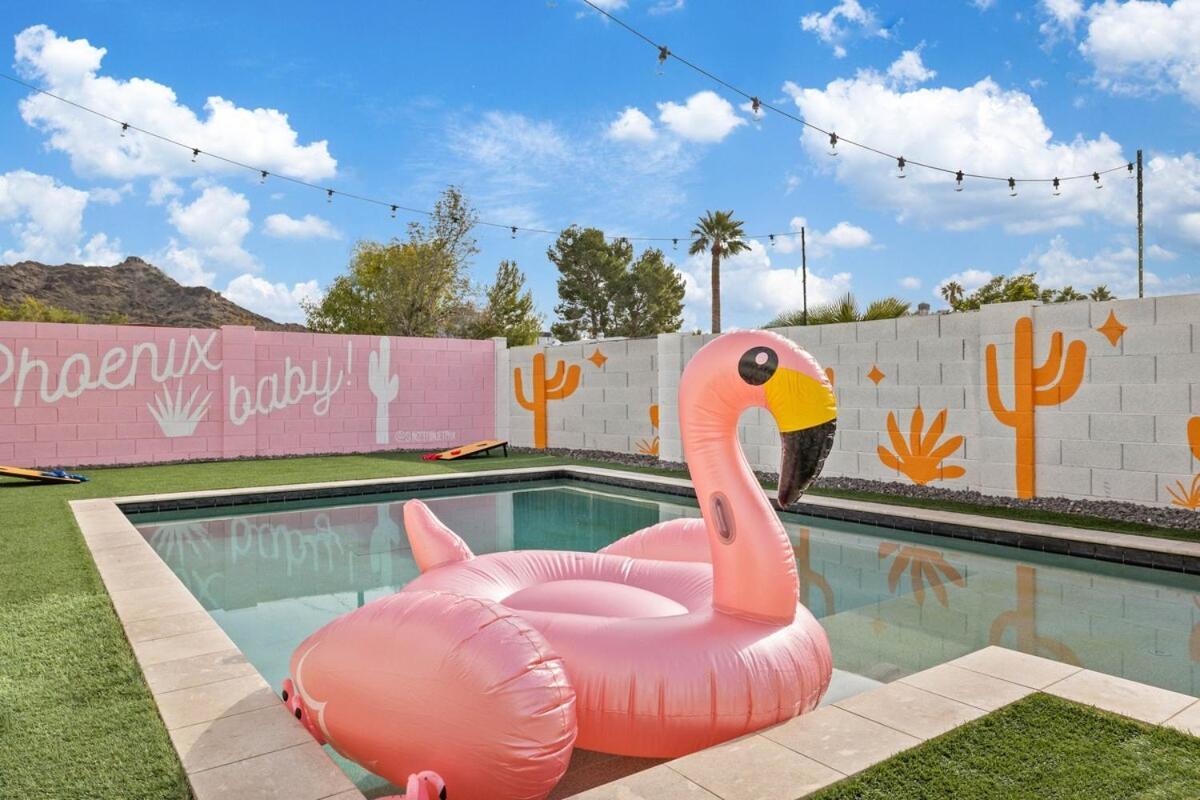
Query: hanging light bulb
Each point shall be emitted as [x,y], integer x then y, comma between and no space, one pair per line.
[663,54]
[1057,190]
[674,244]
[1096,179]
[1129,170]
[393,212]
[833,144]
[1012,187]
[195,154]
[900,162]
[771,236]
[514,231]
[262,176]
[124,128]
[958,179]
[329,195]
[755,105]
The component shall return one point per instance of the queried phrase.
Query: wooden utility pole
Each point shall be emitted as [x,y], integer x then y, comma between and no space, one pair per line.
[804,273]
[1141,231]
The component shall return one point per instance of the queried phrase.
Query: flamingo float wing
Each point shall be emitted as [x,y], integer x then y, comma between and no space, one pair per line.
[684,539]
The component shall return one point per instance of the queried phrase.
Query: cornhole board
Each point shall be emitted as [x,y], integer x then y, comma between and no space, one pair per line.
[473,449]
[35,475]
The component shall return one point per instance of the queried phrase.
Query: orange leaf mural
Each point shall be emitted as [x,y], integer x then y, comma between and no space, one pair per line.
[1185,497]
[1023,621]
[1051,384]
[925,566]
[920,458]
[649,447]
[561,384]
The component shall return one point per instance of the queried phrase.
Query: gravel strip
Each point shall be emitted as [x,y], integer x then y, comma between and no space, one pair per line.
[1163,517]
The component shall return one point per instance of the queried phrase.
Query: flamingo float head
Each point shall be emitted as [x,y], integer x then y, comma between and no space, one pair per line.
[745,369]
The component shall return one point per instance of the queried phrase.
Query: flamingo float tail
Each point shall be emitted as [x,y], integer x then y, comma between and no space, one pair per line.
[683,539]
[433,544]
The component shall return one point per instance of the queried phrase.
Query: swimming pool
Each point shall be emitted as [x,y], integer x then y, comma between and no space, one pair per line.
[893,602]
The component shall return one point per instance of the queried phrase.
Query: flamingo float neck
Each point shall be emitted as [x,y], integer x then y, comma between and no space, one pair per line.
[754,569]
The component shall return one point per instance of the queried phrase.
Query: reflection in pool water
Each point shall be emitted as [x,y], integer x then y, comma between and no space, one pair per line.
[892,602]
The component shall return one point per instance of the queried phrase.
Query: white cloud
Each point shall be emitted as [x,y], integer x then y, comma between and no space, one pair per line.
[969,279]
[909,69]
[836,25]
[273,300]
[665,7]
[102,251]
[106,195]
[981,128]
[632,126]
[705,117]
[213,227]
[910,282]
[611,5]
[70,68]
[983,5]
[46,220]
[1059,18]
[842,236]
[753,288]
[162,190]
[1056,266]
[184,264]
[310,226]
[1145,46]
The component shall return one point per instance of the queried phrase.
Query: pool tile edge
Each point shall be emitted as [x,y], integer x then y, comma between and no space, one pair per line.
[104,528]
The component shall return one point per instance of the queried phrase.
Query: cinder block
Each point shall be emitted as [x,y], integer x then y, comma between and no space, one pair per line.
[806,337]
[607,441]
[1084,453]
[1052,480]
[876,330]
[1171,428]
[856,353]
[935,398]
[584,424]
[1000,318]
[1167,398]
[1157,339]
[1125,484]
[997,476]
[897,351]
[1095,397]
[1156,458]
[920,373]
[959,323]
[1128,312]
[1063,425]
[1047,451]
[1176,308]
[897,397]
[918,327]
[1122,369]
[840,463]
[1122,428]
[858,396]
[858,441]
[943,349]
[994,449]
[961,373]
[841,333]
[1062,316]
[1183,368]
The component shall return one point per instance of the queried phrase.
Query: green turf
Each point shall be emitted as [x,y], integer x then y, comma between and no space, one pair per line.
[75,717]
[1039,748]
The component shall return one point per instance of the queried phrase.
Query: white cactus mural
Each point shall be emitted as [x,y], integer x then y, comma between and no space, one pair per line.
[174,416]
[384,385]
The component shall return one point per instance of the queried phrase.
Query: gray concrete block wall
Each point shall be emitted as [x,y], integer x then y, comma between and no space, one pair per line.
[1123,433]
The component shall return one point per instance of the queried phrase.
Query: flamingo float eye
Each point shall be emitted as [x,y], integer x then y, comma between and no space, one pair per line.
[757,365]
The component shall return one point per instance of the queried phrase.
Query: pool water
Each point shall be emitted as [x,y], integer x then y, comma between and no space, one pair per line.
[892,602]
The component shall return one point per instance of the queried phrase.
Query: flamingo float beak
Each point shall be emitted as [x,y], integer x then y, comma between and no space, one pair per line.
[805,409]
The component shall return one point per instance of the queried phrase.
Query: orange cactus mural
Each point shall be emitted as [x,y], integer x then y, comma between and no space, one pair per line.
[1023,621]
[924,566]
[649,447]
[920,458]
[1052,383]
[561,384]
[1194,436]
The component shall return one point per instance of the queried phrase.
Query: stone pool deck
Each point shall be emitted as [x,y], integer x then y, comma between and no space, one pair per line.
[813,751]
[235,739]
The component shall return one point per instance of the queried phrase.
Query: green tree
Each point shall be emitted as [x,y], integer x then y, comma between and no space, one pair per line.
[592,274]
[652,300]
[417,287]
[30,309]
[719,234]
[952,292]
[1101,293]
[1001,289]
[509,311]
[844,309]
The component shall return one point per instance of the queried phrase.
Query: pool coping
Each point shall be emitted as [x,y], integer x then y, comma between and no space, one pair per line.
[1122,548]
[232,734]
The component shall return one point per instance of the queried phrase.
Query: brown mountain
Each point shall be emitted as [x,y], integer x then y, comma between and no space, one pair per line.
[142,292]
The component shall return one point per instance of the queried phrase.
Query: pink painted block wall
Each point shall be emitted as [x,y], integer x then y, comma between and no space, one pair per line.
[104,394]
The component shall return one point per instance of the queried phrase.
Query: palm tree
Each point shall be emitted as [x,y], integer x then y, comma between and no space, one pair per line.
[1101,292]
[721,235]
[953,292]
[844,309]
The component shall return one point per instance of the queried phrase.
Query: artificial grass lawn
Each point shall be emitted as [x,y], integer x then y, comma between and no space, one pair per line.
[75,717]
[1043,748]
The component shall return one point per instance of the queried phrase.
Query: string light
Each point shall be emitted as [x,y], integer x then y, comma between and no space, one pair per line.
[1057,191]
[755,105]
[833,140]
[1012,187]
[674,244]
[772,237]
[1096,179]
[958,179]
[514,231]
[663,54]
[1129,170]
[329,195]
[900,162]
[262,176]
[124,128]
[195,154]
[393,212]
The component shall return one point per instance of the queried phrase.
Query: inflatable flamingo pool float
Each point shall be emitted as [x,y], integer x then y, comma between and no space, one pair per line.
[489,669]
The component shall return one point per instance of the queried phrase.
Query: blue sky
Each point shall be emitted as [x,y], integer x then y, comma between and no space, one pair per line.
[548,115]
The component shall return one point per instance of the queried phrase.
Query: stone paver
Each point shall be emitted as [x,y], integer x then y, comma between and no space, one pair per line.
[755,768]
[302,772]
[836,738]
[185,645]
[143,630]
[1014,667]
[185,707]
[965,686]
[158,601]
[1121,696]
[185,673]
[656,783]
[241,736]
[910,710]
[1187,720]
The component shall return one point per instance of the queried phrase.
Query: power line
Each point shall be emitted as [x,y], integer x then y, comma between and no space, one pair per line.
[665,52]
